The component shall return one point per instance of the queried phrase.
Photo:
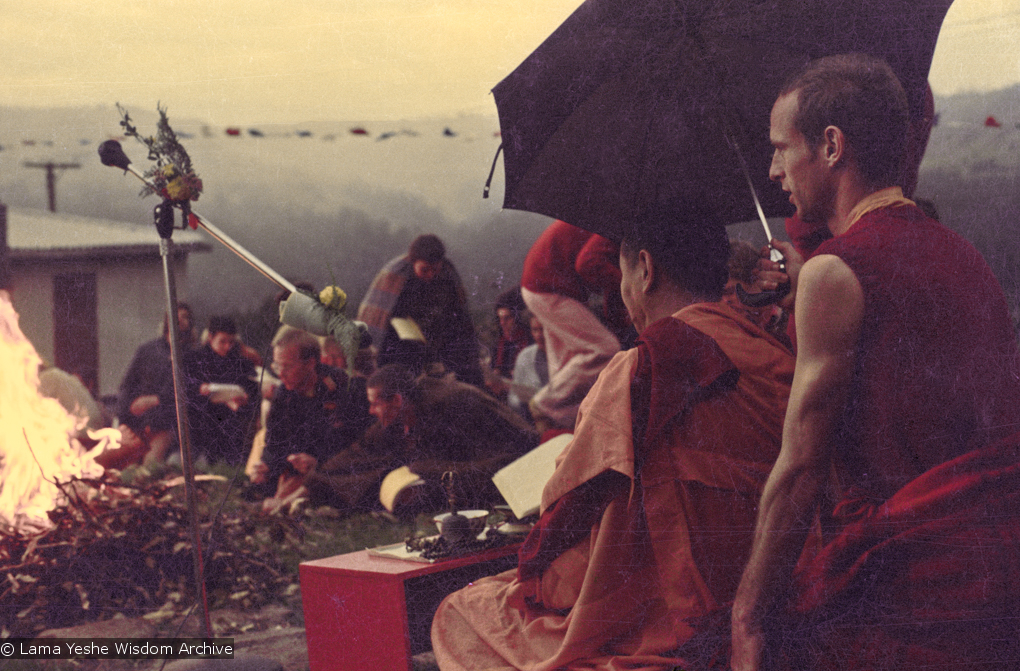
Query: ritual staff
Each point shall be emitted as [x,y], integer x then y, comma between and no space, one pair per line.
[647,517]
[896,446]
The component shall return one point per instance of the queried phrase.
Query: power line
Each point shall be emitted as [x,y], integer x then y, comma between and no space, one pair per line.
[51,177]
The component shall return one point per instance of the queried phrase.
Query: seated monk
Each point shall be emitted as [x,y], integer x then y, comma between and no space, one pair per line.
[888,532]
[647,519]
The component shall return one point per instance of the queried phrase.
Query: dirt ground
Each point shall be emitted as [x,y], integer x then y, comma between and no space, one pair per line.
[274,632]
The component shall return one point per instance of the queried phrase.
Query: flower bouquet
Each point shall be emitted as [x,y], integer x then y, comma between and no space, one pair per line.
[174,179]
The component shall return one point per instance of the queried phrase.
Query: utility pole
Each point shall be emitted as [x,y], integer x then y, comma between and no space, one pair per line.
[51,177]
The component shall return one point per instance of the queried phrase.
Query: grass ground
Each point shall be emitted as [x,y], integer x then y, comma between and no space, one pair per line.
[308,533]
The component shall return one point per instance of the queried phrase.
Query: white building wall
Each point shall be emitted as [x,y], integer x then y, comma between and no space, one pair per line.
[130,307]
[32,295]
[130,303]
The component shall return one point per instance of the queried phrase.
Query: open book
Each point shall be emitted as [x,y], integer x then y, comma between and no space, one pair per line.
[521,481]
[230,395]
[407,329]
[395,482]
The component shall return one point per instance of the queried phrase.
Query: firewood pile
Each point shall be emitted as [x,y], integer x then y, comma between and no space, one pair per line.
[119,548]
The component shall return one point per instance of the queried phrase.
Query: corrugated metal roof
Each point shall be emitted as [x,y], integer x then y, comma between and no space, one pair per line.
[40,232]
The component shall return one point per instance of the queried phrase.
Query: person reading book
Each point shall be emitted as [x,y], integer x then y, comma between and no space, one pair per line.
[646,519]
[430,426]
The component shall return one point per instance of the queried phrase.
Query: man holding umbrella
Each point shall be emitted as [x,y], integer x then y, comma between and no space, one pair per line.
[887,533]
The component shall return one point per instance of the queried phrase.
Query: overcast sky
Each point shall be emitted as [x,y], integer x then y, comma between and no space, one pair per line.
[289,61]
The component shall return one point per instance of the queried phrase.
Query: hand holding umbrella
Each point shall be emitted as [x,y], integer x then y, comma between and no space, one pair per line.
[768,296]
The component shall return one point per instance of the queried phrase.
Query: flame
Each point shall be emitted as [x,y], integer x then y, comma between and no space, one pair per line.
[38,451]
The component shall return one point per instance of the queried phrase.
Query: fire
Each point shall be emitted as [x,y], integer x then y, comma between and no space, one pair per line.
[38,452]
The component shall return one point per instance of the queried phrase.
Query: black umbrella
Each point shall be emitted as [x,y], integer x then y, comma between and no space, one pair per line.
[630,103]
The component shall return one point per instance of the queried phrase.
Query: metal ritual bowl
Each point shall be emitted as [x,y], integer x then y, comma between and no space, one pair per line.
[476,521]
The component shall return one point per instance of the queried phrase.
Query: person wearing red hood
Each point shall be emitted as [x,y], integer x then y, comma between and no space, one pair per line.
[563,269]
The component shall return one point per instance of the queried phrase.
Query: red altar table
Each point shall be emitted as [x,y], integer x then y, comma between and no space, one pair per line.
[367,612]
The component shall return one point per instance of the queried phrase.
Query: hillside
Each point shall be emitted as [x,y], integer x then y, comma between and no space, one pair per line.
[334,205]
[328,206]
[972,173]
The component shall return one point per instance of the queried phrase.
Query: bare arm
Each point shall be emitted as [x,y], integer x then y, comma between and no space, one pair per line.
[830,305]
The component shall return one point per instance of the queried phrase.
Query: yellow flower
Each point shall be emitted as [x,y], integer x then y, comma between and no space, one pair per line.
[333,297]
[178,189]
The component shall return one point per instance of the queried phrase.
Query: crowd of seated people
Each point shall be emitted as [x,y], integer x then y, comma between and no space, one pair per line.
[303,420]
[328,432]
[308,418]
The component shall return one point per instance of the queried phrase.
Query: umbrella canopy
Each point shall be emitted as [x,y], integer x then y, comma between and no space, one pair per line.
[632,103]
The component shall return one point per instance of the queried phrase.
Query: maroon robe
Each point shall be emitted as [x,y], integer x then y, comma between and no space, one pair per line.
[918,563]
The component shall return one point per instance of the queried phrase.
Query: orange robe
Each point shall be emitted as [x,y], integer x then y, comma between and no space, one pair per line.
[647,588]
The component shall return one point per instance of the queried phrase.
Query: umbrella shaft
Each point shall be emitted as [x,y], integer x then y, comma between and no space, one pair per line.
[774,253]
